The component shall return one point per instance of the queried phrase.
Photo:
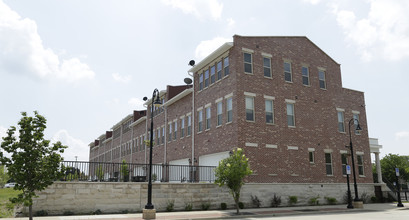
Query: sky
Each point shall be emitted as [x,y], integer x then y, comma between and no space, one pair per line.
[85,65]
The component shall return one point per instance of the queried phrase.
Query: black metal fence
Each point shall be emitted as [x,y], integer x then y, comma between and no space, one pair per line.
[127,172]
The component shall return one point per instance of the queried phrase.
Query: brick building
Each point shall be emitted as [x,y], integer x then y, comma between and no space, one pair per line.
[279,98]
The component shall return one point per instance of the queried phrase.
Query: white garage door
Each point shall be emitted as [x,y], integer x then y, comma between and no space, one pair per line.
[206,174]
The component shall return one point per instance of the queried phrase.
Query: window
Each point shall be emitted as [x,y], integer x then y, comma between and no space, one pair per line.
[290,115]
[287,72]
[344,161]
[229,108]
[328,164]
[206,78]
[219,113]
[321,77]
[356,121]
[170,132]
[219,70]
[175,132]
[182,127]
[269,112]
[267,66]
[200,119]
[249,108]
[208,115]
[248,63]
[212,74]
[311,156]
[163,134]
[360,159]
[201,81]
[305,76]
[189,125]
[226,66]
[341,126]
[158,137]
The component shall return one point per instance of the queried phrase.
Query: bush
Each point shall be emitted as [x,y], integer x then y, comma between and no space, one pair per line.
[125,211]
[97,212]
[241,205]
[331,200]
[41,213]
[205,206]
[256,201]
[67,213]
[275,201]
[364,197]
[223,206]
[170,205]
[292,200]
[188,206]
[374,199]
[314,201]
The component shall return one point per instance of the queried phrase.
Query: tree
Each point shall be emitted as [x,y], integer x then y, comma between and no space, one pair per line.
[33,164]
[392,161]
[3,176]
[124,171]
[231,172]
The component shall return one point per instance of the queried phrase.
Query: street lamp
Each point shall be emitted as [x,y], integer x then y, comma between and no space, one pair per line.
[157,103]
[358,128]
[348,171]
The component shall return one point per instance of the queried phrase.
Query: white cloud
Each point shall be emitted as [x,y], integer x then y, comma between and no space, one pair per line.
[122,79]
[402,135]
[136,103]
[383,33]
[22,51]
[208,46]
[202,9]
[76,147]
[314,2]
[231,22]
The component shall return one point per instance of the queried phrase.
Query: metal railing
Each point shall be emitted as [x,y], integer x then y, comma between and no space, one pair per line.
[131,172]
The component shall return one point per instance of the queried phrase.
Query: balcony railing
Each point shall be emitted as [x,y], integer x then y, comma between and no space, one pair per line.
[131,172]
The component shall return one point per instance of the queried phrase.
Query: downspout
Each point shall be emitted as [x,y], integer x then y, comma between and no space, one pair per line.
[193,118]
[166,132]
[146,129]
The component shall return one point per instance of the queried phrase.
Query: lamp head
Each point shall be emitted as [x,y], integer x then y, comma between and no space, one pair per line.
[358,127]
[191,63]
[157,102]
[145,98]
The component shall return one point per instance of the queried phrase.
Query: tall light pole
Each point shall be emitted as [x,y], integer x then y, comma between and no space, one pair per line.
[358,128]
[157,103]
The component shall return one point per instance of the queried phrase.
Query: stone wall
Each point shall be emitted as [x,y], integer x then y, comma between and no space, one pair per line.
[87,197]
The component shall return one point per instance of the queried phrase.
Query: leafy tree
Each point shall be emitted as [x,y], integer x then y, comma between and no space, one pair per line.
[392,161]
[124,171]
[33,164]
[100,173]
[231,172]
[3,176]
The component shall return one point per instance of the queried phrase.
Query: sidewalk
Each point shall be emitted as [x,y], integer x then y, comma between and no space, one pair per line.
[230,214]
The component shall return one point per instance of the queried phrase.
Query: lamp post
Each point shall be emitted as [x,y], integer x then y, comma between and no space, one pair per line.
[358,128]
[155,102]
[350,206]
[398,187]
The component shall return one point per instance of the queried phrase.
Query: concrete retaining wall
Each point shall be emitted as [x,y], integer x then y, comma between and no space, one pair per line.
[87,197]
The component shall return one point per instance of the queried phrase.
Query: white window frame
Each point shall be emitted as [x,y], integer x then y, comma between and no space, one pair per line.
[290,72]
[267,56]
[208,112]
[219,111]
[323,80]
[328,164]
[290,103]
[250,97]
[305,76]
[341,113]
[269,99]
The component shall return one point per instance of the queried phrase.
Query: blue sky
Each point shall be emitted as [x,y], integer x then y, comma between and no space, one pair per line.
[85,65]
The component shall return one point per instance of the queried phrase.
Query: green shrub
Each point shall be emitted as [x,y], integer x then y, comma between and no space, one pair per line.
[41,213]
[292,200]
[314,201]
[125,211]
[364,197]
[331,200]
[374,199]
[241,205]
[97,212]
[170,205]
[223,206]
[205,206]
[256,201]
[188,206]
[67,213]
[275,201]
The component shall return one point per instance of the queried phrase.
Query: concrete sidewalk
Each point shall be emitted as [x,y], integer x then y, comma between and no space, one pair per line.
[230,214]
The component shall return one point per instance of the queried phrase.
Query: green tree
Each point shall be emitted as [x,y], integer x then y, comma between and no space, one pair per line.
[392,161]
[3,176]
[231,172]
[124,171]
[34,164]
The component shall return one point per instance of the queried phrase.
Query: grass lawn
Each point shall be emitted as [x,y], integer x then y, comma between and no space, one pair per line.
[5,204]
